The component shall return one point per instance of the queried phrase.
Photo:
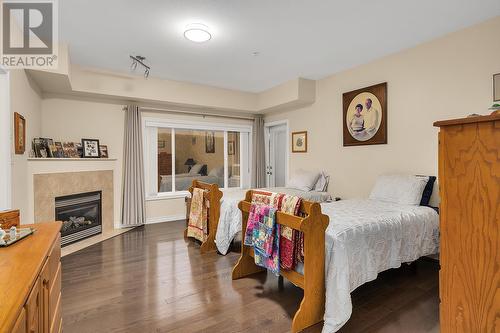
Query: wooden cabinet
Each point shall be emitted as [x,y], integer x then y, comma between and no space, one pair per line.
[9,218]
[33,309]
[469,184]
[31,282]
[20,325]
[44,296]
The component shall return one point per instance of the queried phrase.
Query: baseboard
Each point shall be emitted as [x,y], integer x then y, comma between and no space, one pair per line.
[161,219]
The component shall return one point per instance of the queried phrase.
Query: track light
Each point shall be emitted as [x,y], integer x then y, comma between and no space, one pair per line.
[139,60]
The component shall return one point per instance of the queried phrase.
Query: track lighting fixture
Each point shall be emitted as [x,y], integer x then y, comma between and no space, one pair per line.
[139,60]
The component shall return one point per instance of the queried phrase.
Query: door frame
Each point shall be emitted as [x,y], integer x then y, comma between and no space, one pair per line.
[267,126]
[6,151]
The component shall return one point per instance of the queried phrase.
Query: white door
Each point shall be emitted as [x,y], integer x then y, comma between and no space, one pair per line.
[276,155]
[5,142]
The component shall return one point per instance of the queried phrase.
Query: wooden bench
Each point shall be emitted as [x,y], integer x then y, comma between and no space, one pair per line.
[313,225]
[213,195]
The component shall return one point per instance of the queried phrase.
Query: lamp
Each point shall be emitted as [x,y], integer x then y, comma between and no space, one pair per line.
[189,162]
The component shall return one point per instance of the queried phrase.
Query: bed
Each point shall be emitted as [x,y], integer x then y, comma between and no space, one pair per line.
[363,238]
[366,237]
[199,171]
[230,216]
[184,181]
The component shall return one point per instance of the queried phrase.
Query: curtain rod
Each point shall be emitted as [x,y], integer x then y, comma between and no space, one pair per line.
[219,115]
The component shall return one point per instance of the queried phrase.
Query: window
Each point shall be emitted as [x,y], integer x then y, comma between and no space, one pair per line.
[178,152]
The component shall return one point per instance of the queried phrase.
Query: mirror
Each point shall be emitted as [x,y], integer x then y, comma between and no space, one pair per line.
[496,87]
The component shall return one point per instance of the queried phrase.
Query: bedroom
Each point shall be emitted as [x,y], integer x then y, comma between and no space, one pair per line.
[205,109]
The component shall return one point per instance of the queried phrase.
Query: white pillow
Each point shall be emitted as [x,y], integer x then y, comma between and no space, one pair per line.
[401,189]
[217,172]
[322,183]
[195,169]
[303,180]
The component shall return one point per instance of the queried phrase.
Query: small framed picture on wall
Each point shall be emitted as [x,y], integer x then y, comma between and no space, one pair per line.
[210,142]
[230,147]
[19,133]
[496,87]
[299,142]
[90,148]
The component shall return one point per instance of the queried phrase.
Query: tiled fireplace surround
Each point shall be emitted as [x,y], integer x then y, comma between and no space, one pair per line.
[48,186]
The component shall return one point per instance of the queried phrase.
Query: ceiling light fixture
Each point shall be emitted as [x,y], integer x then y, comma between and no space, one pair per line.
[197,32]
[139,60]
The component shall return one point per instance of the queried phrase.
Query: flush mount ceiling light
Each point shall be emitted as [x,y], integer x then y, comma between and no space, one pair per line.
[197,32]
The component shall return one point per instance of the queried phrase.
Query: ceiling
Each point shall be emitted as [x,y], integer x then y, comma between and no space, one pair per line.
[294,38]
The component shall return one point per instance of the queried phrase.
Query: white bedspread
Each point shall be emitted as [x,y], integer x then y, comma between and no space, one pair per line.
[230,216]
[366,237]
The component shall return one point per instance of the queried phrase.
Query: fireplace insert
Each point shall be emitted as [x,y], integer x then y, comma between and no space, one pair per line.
[80,215]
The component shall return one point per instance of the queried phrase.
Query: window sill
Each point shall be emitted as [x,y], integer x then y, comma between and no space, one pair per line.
[167,196]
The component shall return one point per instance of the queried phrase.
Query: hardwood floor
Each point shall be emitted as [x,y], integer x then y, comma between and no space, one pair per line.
[151,280]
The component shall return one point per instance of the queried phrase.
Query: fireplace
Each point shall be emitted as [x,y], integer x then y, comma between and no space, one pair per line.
[80,215]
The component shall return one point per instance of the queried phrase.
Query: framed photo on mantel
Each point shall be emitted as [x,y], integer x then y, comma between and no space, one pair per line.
[90,148]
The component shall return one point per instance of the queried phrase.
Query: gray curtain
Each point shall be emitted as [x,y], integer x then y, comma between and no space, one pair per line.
[133,204]
[259,153]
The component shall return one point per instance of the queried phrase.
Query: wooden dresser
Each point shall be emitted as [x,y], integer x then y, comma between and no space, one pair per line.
[9,218]
[30,282]
[469,185]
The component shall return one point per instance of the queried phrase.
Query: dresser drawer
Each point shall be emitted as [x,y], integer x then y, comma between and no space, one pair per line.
[9,218]
[55,257]
[33,308]
[55,326]
[55,292]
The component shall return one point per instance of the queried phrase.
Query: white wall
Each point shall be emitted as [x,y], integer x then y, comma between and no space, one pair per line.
[5,139]
[447,78]
[25,98]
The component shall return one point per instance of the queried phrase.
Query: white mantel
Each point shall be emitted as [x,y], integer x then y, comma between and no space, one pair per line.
[63,165]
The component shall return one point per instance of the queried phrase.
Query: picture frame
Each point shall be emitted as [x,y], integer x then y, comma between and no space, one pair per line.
[161,144]
[19,134]
[39,148]
[90,148]
[230,147]
[299,142]
[210,142]
[70,150]
[365,116]
[79,149]
[103,150]
[59,151]
[496,87]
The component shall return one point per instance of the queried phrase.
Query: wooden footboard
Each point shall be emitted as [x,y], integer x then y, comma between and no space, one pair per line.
[313,225]
[213,195]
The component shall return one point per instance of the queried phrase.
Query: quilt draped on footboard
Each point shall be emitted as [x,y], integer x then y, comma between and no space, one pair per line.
[198,216]
[274,246]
